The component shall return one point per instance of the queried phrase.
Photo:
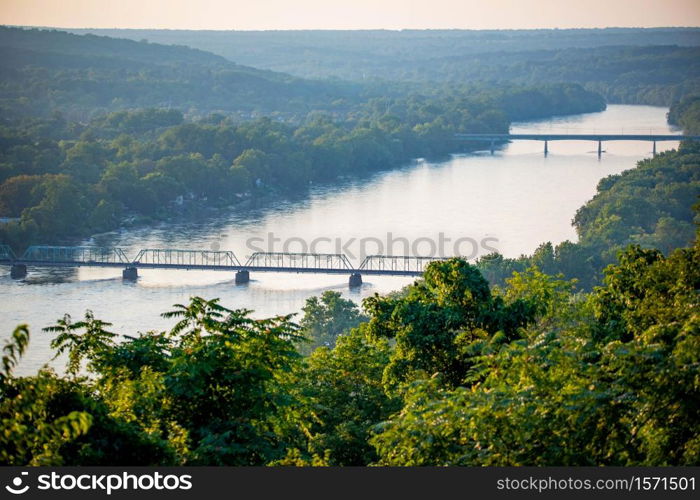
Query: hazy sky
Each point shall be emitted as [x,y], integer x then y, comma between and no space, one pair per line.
[348,14]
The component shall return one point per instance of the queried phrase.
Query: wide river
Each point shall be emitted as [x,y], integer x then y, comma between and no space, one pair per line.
[468,205]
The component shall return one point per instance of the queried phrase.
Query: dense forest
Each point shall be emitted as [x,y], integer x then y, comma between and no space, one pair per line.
[647,66]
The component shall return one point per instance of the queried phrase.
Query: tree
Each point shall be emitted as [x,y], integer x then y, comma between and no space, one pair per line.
[257,163]
[439,322]
[50,420]
[18,193]
[343,398]
[61,196]
[326,318]
[228,383]
[85,160]
[92,344]
[217,389]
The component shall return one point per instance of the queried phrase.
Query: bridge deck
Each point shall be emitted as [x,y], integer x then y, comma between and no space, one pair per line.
[209,260]
[577,137]
[213,267]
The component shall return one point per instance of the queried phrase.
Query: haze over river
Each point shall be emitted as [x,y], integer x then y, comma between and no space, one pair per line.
[510,201]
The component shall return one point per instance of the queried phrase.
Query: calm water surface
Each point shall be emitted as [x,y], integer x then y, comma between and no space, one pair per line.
[517,198]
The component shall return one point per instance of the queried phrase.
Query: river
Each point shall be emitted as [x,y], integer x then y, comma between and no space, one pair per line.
[511,201]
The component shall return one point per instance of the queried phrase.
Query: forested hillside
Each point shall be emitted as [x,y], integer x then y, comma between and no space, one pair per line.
[42,71]
[649,66]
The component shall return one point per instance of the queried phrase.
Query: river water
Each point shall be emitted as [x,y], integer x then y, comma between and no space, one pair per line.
[510,201]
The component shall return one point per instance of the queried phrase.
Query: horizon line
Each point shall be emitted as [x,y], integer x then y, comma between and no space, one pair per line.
[397,30]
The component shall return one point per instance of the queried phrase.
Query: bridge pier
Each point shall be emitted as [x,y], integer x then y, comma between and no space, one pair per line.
[600,149]
[18,271]
[654,150]
[355,280]
[242,277]
[130,274]
[546,148]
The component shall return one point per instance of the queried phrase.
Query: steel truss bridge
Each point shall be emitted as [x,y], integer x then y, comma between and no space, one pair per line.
[599,138]
[211,260]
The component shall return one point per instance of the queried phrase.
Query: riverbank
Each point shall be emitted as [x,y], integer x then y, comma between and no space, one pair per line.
[102,172]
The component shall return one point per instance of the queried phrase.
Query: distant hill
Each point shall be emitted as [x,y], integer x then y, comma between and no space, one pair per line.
[61,42]
[310,52]
[84,74]
[44,70]
[651,65]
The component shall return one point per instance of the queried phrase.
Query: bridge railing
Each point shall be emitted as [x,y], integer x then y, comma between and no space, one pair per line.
[299,260]
[6,254]
[171,256]
[403,263]
[85,255]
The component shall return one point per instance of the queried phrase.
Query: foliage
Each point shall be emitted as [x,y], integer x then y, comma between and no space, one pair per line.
[441,321]
[92,343]
[343,389]
[685,113]
[12,351]
[614,384]
[227,382]
[325,319]
[29,435]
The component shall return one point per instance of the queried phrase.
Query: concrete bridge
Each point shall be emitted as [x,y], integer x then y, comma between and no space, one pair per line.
[599,138]
[210,260]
